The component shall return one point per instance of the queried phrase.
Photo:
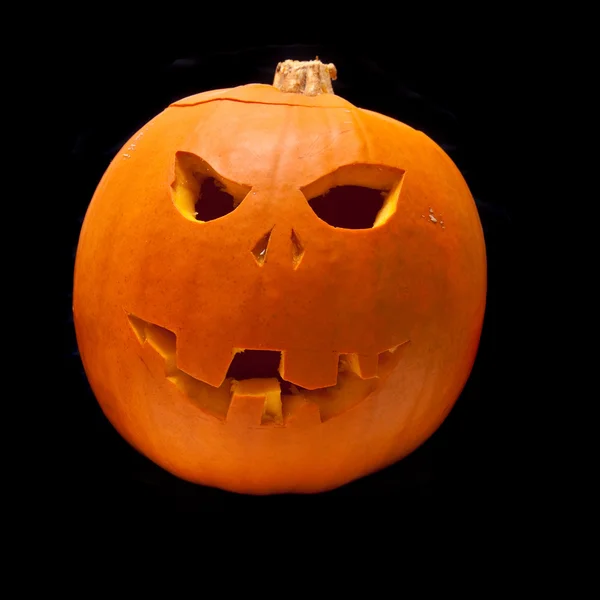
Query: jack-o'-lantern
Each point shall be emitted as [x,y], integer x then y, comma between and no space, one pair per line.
[276,291]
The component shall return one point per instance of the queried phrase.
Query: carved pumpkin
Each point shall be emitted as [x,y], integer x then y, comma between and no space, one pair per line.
[276,291]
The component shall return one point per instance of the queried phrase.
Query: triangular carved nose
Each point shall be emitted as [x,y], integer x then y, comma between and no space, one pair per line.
[295,248]
[261,247]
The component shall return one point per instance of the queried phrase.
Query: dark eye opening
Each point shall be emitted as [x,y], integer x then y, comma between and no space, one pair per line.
[213,201]
[200,193]
[356,196]
[349,206]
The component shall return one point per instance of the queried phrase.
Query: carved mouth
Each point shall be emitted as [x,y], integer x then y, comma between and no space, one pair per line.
[259,387]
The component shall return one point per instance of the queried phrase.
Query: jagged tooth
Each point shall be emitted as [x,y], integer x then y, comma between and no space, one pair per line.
[364,365]
[246,411]
[255,401]
[300,412]
[204,360]
[309,369]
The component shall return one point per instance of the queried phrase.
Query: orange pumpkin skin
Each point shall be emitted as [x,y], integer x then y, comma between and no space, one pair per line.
[411,283]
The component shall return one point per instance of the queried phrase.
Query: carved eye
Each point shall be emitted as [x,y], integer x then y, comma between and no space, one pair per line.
[356,196]
[200,193]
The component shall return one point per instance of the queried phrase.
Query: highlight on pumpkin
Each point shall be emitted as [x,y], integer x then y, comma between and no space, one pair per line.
[200,193]
[356,196]
[254,391]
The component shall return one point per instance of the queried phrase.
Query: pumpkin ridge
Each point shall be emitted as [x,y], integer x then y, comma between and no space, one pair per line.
[364,138]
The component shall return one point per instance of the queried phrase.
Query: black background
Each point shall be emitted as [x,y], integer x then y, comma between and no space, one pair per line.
[457,93]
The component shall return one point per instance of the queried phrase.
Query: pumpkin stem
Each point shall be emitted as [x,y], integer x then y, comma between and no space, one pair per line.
[308,77]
